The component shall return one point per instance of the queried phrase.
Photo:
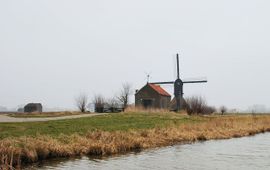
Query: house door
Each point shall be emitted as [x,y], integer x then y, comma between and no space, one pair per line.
[147,103]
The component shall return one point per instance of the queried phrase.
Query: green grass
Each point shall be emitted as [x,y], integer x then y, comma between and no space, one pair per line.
[110,122]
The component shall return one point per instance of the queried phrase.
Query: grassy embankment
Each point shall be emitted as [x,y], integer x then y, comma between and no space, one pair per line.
[117,133]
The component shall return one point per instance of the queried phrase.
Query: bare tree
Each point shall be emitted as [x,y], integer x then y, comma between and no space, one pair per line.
[99,102]
[113,104]
[124,95]
[223,109]
[81,102]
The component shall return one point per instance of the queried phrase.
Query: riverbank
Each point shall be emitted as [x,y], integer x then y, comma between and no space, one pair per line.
[235,153]
[118,133]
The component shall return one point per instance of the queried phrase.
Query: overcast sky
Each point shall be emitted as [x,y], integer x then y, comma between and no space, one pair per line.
[50,51]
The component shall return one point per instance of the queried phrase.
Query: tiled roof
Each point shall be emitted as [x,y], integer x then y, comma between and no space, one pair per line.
[159,89]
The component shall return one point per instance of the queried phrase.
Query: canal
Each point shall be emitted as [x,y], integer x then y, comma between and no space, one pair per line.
[238,153]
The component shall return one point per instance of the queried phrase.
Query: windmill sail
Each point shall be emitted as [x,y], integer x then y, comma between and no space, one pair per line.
[178,71]
[195,80]
[166,82]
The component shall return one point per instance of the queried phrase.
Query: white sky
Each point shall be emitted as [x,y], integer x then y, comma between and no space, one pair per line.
[52,50]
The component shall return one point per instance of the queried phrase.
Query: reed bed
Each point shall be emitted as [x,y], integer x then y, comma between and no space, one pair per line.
[22,150]
[138,109]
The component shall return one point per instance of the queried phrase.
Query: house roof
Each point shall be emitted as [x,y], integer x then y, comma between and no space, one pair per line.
[159,89]
[33,104]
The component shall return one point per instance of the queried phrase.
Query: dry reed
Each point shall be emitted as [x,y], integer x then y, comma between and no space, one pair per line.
[14,151]
[137,109]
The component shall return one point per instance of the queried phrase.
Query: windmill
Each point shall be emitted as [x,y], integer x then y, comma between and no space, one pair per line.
[178,85]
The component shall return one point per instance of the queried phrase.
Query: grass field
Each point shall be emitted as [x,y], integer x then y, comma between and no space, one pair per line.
[110,122]
[43,114]
[117,133]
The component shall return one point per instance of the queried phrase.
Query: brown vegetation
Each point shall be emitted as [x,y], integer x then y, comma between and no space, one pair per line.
[197,105]
[141,109]
[32,149]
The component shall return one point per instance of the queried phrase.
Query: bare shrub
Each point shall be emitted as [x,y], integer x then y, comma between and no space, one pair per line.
[141,109]
[113,104]
[124,95]
[209,110]
[223,109]
[99,102]
[197,105]
[81,102]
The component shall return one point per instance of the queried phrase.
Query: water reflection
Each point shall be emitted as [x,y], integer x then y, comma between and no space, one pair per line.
[242,153]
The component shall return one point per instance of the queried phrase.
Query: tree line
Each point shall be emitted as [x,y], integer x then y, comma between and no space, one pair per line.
[114,104]
[192,105]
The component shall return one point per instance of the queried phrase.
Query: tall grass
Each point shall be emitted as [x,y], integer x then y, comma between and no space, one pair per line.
[137,109]
[6,159]
[14,151]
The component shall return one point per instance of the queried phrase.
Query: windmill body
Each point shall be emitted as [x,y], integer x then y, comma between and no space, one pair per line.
[178,86]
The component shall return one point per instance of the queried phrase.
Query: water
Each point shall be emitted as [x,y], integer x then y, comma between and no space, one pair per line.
[241,153]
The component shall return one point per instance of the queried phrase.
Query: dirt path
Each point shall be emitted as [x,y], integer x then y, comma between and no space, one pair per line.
[5,118]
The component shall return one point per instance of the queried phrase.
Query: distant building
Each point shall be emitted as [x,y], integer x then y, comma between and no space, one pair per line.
[33,107]
[152,96]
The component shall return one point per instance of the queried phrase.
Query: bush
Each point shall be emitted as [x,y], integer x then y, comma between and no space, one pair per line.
[197,105]
[223,109]
[209,110]
[99,103]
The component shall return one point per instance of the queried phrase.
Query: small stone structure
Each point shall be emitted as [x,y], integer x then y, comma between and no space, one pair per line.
[33,107]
